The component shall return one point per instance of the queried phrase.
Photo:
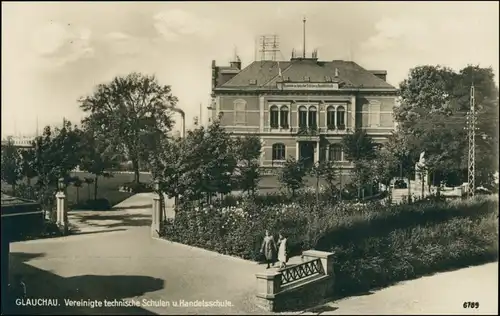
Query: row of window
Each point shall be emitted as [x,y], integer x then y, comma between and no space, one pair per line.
[334,152]
[279,117]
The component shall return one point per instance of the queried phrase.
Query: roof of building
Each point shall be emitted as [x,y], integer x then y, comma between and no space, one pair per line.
[266,74]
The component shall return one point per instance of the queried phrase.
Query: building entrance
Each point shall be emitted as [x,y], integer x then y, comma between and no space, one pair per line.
[306,153]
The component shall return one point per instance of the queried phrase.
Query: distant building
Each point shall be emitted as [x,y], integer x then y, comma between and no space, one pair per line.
[19,141]
[301,108]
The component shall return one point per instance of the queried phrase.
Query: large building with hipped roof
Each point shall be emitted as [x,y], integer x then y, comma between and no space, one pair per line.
[302,108]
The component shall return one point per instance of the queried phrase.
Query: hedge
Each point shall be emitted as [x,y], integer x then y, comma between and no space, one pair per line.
[374,245]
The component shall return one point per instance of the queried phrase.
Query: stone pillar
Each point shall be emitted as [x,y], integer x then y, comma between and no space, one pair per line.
[316,152]
[325,257]
[268,285]
[353,112]
[297,152]
[156,216]
[62,214]
[261,113]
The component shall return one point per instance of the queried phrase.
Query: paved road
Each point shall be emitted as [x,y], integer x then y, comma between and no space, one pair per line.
[114,258]
[442,293]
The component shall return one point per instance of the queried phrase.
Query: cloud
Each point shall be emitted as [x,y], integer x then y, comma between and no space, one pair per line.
[117,36]
[58,44]
[445,40]
[175,24]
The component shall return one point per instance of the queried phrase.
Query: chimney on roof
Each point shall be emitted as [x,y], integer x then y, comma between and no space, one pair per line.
[236,63]
[382,74]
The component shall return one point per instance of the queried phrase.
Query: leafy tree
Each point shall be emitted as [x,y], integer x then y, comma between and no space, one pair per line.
[98,156]
[11,169]
[129,110]
[434,103]
[27,164]
[56,154]
[358,146]
[292,175]
[247,151]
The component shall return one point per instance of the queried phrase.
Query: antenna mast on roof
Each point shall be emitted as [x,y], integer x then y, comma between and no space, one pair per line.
[269,46]
[304,36]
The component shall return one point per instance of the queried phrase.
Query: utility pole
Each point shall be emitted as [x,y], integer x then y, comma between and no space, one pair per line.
[471,129]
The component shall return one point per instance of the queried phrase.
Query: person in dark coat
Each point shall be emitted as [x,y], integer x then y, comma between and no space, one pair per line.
[268,249]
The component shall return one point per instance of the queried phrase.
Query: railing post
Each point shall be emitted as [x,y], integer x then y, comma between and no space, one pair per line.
[325,257]
[268,285]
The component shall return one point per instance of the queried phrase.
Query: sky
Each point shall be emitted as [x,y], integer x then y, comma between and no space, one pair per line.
[53,53]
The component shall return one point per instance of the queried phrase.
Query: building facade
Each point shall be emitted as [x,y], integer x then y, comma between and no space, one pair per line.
[303,107]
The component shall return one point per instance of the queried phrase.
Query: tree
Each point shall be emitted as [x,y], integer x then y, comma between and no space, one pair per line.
[98,156]
[129,110]
[292,175]
[56,154]
[27,164]
[11,169]
[247,151]
[358,146]
[434,103]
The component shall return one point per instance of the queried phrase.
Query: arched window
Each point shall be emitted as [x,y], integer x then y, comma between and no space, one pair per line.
[340,117]
[278,151]
[330,117]
[240,107]
[313,117]
[302,116]
[335,152]
[284,116]
[274,116]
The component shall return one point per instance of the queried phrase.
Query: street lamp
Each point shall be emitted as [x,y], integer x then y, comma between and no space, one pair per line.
[157,185]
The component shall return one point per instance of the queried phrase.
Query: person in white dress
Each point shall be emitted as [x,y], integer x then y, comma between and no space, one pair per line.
[282,251]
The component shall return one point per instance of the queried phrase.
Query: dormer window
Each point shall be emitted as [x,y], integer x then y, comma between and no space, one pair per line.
[307,78]
[253,81]
[328,79]
[287,79]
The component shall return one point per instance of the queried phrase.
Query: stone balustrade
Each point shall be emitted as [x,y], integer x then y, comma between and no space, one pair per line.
[297,286]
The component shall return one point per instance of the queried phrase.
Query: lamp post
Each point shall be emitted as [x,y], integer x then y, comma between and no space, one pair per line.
[62,214]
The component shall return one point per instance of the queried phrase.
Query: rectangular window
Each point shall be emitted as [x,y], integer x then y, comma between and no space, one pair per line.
[239,113]
[312,119]
[274,119]
[284,119]
[330,119]
[375,114]
[302,118]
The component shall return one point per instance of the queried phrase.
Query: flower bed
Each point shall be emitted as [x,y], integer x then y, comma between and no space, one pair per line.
[375,245]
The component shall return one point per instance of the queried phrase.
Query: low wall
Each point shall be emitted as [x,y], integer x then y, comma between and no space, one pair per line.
[299,286]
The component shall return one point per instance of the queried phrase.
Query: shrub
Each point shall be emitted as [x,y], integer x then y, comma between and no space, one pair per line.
[374,245]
